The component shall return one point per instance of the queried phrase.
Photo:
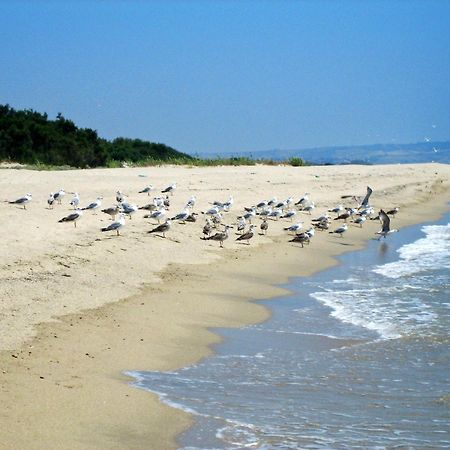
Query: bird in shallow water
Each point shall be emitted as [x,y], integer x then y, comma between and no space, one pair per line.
[385,225]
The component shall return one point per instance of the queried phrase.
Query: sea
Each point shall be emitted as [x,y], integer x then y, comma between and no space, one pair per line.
[357,357]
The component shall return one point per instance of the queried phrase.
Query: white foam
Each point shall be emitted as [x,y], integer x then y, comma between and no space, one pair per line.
[430,252]
[379,309]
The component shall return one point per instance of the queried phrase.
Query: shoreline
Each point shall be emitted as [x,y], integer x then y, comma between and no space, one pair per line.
[76,363]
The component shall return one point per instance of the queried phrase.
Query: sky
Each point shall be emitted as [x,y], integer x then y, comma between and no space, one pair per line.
[233,76]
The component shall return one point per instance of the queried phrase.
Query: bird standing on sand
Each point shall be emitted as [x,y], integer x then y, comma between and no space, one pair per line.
[120,197]
[94,205]
[264,226]
[294,228]
[182,216]
[360,220]
[112,211]
[207,228]
[220,236]
[75,201]
[50,200]
[73,217]
[163,228]
[147,190]
[158,215]
[191,202]
[247,236]
[341,230]
[116,226]
[302,238]
[22,200]
[58,196]
[129,209]
[385,225]
[170,189]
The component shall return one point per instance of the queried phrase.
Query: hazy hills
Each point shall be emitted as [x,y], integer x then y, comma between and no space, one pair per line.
[420,152]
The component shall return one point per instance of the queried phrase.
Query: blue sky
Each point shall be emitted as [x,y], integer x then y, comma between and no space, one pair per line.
[216,76]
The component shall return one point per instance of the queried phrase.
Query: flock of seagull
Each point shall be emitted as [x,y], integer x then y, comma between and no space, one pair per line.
[266,210]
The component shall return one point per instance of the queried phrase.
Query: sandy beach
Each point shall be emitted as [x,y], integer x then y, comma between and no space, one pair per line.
[80,307]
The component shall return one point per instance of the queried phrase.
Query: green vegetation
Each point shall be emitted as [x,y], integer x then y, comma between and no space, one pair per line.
[30,138]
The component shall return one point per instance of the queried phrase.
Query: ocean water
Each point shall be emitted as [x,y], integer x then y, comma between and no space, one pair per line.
[357,357]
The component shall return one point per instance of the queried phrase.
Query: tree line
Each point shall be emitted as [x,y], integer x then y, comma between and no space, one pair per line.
[30,137]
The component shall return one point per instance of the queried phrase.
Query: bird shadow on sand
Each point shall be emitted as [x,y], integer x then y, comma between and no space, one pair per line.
[166,238]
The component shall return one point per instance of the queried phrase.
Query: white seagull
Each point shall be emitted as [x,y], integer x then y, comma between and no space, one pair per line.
[116,226]
[73,217]
[94,205]
[23,200]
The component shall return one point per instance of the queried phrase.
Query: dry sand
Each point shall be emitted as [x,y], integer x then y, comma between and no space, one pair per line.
[78,307]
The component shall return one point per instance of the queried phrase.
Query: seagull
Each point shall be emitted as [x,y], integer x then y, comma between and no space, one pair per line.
[308,208]
[170,189]
[241,224]
[23,200]
[336,209]
[94,205]
[129,208]
[289,215]
[294,228]
[365,202]
[304,200]
[73,217]
[323,218]
[162,228]
[324,225]
[207,228]
[112,211]
[59,195]
[158,215]
[247,236]
[120,197]
[360,220]
[220,236]
[302,238]
[75,200]
[147,190]
[148,207]
[116,226]
[341,230]
[51,200]
[213,211]
[182,216]
[264,226]
[191,202]
[344,216]
[385,225]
